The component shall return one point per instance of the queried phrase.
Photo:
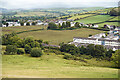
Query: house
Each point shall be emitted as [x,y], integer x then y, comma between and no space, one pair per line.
[101,35]
[4,25]
[39,22]
[95,26]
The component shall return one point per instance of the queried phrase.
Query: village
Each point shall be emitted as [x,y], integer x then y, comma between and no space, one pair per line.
[110,40]
[57,22]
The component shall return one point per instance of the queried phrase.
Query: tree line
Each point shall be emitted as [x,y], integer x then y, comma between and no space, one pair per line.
[64,25]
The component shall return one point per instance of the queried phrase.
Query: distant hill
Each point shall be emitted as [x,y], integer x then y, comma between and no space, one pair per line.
[115,12]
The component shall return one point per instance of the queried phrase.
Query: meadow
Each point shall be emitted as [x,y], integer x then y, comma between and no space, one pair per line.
[95,19]
[7,30]
[109,23]
[80,16]
[115,19]
[27,14]
[52,66]
[53,36]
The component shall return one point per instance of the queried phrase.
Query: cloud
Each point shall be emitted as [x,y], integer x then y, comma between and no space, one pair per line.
[56,3]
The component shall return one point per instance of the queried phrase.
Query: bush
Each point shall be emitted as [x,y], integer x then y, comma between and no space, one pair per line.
[20,51]
[36,52]
[27,49]
[11,50]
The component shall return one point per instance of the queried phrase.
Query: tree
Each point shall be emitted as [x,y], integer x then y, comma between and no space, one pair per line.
[20,51]
[82,50]
[109,53]
[36,52]
[27,24]
[11,50]
[27,49]
[99,51]
[7,24]
[59,26]
[22,23]
[77,24]
[33,23]
[46,42]
[63,25]
[91,50]
[68,24]
[116,57]
[52,25]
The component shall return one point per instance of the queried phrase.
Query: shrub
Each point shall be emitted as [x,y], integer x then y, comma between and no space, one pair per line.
[11,50]
[36,52]
[20,51]
[27,49]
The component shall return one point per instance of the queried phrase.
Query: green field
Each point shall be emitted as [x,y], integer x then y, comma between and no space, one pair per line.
[53,36]
[108,23]
[95,19]
[115,19]
[6,30]
[80,16]
[56,36]
[26,14]
[51,66]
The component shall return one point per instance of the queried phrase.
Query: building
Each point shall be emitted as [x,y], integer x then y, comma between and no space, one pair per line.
[113,44]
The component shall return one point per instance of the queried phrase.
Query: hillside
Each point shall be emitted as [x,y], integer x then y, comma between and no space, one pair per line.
[53,36]
[53,66]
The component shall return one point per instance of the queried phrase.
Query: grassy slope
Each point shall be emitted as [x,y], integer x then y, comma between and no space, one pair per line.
[51,66]
[25,14]
[80,16]
[95,19]
[109,23]
[56,36]
[115,19]
[6,30]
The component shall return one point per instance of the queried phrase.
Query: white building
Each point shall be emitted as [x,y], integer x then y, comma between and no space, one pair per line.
[105,42]
[95,26]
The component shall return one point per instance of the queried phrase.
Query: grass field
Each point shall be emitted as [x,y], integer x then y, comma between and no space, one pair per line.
[95,19]
[58,36]
[80,16]
[51,66]
[109,23]
[115,19]
[25,14]
[6,30]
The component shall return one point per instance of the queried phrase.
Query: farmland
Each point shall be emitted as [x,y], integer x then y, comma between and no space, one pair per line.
[52,66]
[95,19]
[80,16]
[25,14]
[109,23]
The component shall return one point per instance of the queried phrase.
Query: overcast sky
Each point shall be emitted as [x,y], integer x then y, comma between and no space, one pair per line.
[13,4]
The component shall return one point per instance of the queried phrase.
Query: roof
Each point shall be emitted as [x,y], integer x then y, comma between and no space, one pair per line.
[102,39]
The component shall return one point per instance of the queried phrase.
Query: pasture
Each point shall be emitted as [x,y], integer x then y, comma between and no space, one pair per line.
[115,19]
[7,30]
[51,66]
[58,36]
[27,14]
[95,19]
[53,36]
[80,16]
[109,23]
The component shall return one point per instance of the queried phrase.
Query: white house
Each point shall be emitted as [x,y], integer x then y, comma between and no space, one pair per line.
[4,25]
[95,26]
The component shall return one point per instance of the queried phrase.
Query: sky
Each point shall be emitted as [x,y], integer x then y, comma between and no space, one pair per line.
[28,4]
